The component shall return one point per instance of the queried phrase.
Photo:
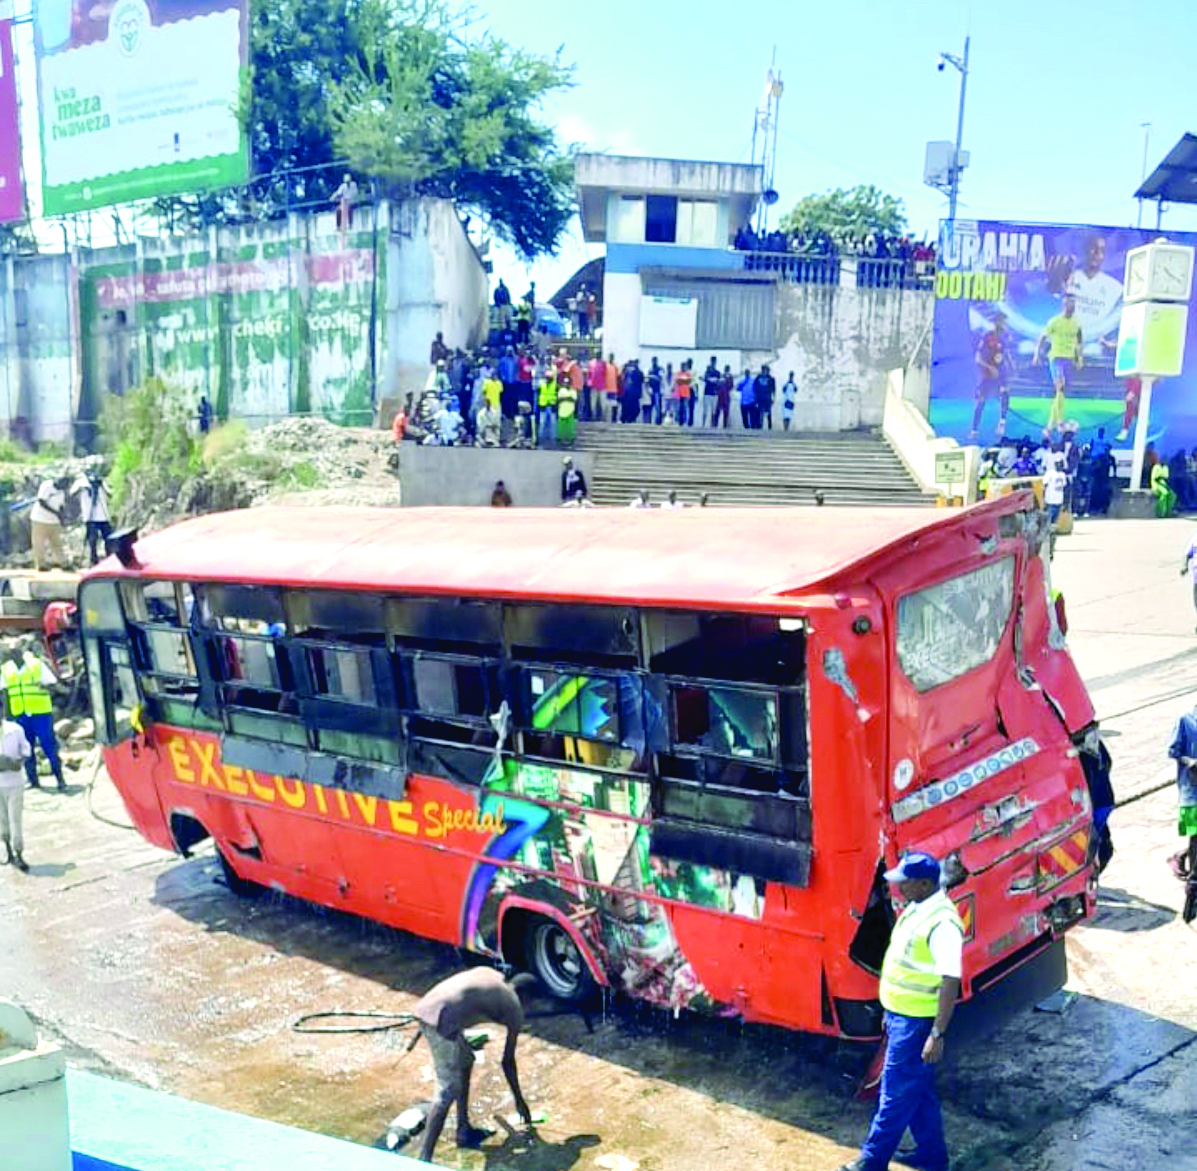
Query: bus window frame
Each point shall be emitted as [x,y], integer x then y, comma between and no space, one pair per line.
[522,719]
[1000,555]
[688,749]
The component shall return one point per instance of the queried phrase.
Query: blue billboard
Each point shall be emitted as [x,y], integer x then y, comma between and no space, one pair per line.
[1025,332]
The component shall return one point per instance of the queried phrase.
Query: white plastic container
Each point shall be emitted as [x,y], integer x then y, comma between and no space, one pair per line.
[35,1132]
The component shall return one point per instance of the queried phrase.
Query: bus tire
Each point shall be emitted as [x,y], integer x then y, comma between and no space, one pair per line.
[555,960]
[244,888]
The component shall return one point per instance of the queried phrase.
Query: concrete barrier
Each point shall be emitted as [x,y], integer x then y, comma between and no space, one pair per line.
[916,443]
[34,1131]
[467,475]
[117,1127]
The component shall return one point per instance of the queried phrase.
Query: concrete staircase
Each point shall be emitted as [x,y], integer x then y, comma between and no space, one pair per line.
[745,467]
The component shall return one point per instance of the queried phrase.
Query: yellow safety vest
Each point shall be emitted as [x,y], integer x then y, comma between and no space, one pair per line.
[26,695]
[548,393]
[909,985]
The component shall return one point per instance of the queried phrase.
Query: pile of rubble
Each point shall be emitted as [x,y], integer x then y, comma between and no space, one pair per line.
[304,460]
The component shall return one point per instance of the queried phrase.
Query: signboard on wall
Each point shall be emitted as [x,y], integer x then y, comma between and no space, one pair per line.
[12,195]
[670,322]
[138,100]
[1005,298]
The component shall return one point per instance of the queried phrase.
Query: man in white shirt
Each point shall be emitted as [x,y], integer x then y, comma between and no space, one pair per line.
[1055,481]
[93,506]
[14,749]
[45,520]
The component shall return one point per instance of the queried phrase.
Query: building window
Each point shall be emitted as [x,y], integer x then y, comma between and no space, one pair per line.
[628,225]
[697,223]
[660,220]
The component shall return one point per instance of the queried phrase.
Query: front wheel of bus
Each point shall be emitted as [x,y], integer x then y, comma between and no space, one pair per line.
[555,960]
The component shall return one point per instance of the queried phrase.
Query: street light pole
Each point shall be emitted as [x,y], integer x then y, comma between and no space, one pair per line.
[1146,128]
[962,65]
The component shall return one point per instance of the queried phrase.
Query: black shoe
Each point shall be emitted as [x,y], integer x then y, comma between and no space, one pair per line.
[35,784]
[20,863]
[910,1158]
[62,785]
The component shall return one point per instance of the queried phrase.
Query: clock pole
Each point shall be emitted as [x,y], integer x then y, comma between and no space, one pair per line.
[1136,477]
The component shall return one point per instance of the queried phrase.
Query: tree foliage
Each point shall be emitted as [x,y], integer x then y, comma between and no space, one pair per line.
[847,212]
[409,97]
[435,110]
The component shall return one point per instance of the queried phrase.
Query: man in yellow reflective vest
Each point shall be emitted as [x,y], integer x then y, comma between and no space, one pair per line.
[25,684]
[920,980]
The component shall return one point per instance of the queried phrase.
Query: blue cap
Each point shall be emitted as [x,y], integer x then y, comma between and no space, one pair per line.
[914,866]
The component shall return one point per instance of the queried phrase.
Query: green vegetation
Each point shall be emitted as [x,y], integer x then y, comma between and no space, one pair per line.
[416,97]
[847,212]
[152,449]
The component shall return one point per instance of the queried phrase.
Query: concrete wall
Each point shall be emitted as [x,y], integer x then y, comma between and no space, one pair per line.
[841,343]
[914,439]
[266,319]
[467,475]
[38,363]
[435,281]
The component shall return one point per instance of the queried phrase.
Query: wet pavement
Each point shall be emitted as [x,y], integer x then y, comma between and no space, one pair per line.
[146,967]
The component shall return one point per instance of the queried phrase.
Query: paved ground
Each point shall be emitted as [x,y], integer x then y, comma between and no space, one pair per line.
[148,968]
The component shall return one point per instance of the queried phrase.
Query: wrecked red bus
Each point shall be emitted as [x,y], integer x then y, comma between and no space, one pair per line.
[670,752]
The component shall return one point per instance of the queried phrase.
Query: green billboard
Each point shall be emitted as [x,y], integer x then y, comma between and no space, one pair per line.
[138,100]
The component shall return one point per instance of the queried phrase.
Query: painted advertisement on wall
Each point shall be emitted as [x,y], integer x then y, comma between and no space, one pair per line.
[266,326]
[12,195]
[1025,333]
[138,98]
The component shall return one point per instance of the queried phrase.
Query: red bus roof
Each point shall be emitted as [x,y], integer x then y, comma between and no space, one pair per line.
[708,557]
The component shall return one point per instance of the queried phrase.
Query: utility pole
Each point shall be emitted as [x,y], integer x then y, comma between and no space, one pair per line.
[1146,128]
[961,65]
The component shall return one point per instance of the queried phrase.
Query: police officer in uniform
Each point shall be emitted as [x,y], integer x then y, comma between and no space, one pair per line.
[920,980]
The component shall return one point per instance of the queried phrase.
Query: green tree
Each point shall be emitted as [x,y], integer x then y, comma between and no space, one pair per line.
[410,97]
[847,211]
[436,110]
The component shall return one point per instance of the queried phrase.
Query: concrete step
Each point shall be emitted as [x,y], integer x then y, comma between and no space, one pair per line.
[744,467]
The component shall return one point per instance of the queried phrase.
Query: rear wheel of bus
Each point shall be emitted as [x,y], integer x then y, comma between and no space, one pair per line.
[244,888]
[551,954]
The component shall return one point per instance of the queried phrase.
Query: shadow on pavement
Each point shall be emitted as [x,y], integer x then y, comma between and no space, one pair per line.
[1119,911]
[1008,1087]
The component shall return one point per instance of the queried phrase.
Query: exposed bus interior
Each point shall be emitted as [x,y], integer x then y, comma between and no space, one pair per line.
[708,710]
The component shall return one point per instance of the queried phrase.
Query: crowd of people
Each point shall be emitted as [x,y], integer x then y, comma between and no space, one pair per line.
[1082,476]
[882,261]
[529,396]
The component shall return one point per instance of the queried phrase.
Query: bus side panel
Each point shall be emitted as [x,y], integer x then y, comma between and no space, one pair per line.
[132,768]
[766,975]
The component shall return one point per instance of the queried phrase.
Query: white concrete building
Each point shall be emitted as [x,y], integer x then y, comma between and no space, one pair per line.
[675,287]
[673,283]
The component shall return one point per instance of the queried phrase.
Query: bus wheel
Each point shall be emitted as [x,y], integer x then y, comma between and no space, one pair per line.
[555,960]
[244,888]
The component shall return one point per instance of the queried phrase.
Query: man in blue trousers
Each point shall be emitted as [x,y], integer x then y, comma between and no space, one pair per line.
[26,685]
[920,980]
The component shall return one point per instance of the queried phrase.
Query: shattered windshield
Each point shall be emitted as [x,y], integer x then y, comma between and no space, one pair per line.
[948,629]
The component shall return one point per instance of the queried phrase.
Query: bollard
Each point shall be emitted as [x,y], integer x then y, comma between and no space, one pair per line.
[35,1128]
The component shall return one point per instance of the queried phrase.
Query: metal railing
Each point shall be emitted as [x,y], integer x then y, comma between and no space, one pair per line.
[862,272]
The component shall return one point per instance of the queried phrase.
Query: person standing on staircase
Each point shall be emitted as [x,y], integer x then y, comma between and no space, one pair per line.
[683,391]
[711,378]
[25,684]
[764,390]
[723,403]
